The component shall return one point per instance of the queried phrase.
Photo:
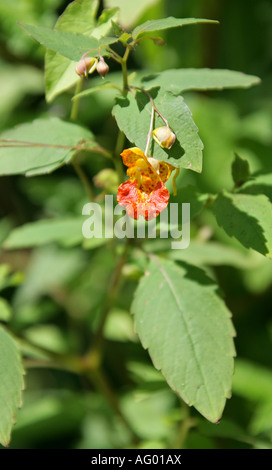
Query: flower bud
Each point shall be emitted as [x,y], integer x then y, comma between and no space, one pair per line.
[106,179]
[102,68]
[164,136]
[86,65]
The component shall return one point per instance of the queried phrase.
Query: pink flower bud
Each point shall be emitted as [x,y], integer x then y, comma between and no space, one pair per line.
[164,136]
[102,68]
[86,65]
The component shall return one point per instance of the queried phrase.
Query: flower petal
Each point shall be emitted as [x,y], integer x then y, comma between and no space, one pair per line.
[130,156]
[137,202]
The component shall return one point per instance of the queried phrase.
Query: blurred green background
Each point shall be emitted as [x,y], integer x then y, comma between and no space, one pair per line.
[56,292]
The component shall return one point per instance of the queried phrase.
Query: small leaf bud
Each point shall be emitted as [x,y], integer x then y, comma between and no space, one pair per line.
[164,136]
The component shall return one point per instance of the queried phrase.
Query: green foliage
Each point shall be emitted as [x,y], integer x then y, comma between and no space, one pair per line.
[181,333]
[180,80]
[133,116]
[11,385]
[18,156]
[67,231]
[240,170]
[247,218]
[78,17]
[165,23]
[70,45]
[65,298]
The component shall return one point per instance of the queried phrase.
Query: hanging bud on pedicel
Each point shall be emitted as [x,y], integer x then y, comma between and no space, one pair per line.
[86,65]
[102,68]
[164,136]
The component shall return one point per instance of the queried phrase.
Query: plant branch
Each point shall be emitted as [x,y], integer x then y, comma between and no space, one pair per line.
[75,105]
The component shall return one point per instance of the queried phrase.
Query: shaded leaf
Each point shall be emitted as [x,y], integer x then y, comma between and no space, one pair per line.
[5,310]
[240,170]
[166,23]
[23,157]
[260,183]
[185,325]
[133,118]
[11,384]
[246,217]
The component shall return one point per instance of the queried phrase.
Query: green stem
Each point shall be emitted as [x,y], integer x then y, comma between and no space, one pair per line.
[116,157]
[75,105]
[84,179]
[186,424]
[110,300]
[125,72]
[121,136]
[100,382]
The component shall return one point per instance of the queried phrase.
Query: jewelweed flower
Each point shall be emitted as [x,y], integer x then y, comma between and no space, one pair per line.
[144,193]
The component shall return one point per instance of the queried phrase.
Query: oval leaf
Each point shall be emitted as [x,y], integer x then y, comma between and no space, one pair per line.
[179,80]
[186,327]
[41,146]
[166,23]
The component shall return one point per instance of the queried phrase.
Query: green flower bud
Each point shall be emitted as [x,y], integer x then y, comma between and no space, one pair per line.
[164,136]
[86,65]
[106,179]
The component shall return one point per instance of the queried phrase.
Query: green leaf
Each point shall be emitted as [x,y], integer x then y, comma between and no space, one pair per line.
[118,31]
[262,420]
[11,384]
[213,254]
[166,23]
[78,17]
[45,231]
[247,218]
[260,183]
[179,80]
[130,11]
[5,310]
[70,45]
[240,170]
[191,194]
[133,118]
[94,89]
[252,381]
[21,152]
[186,327]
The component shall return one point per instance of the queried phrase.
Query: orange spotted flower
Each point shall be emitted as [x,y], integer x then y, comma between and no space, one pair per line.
[144,193]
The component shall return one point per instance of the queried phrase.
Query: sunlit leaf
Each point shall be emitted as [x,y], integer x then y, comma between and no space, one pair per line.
[133,113]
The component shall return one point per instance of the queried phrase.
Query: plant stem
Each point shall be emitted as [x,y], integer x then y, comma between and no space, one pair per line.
[121,136]
[84,179]
[100,382]
[75,105]
[151,102]
[186,424]
[124,70]
[150,131]
[111,297]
